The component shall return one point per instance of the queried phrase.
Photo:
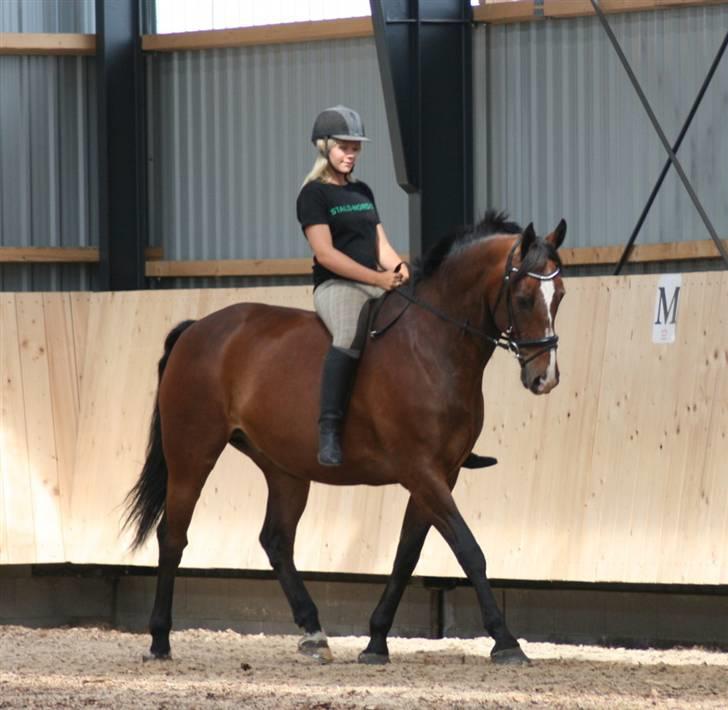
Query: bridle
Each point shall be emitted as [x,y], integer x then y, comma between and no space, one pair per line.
[548,342]
[507,339]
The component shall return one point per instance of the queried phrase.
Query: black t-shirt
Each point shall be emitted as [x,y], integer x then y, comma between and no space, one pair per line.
[350,213]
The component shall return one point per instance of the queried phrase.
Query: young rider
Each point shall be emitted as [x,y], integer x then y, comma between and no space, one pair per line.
[353,259]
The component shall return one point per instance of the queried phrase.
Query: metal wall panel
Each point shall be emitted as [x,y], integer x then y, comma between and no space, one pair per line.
[74,16]
[558,132]
[229,146]
[48,185]
[567,136]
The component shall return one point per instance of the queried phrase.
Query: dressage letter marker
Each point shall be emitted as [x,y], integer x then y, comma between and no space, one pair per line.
[666,302]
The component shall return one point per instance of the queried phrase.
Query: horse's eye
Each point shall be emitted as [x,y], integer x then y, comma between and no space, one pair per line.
[524,302]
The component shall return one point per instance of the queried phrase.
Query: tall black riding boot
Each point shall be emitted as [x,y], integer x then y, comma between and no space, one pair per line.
[336,384]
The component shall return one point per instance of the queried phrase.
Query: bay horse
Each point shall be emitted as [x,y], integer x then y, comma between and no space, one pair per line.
[249,374]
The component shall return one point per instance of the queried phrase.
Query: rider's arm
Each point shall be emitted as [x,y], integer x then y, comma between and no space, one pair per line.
[388,257]
[319,238]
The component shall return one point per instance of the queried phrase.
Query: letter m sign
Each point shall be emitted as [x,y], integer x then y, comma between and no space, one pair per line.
[667,298]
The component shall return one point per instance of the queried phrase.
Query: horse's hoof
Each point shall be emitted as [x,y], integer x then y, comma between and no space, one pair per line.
[318,649]
[476,461]
[373,659]
[156,657]
[510,657]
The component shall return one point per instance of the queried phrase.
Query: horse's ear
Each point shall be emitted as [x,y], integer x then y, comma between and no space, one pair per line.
[528,238]
[557,236]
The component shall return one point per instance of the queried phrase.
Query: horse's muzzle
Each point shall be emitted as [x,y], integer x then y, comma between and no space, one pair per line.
[541,383]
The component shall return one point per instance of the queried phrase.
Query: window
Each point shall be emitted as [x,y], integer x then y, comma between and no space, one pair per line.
[189,15]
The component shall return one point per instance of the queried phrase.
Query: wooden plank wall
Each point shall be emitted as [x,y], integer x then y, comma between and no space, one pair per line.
[617,475]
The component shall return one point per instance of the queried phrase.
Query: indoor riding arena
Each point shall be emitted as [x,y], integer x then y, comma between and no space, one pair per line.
[531,511]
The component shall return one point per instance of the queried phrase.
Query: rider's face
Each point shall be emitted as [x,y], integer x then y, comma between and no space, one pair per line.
[343,155]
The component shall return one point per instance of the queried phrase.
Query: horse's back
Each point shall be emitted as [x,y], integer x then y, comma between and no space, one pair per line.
[254,360]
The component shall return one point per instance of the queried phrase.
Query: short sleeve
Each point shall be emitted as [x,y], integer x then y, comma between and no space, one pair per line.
[311,206]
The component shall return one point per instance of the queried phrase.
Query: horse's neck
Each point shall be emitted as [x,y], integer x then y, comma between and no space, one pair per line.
[461,300]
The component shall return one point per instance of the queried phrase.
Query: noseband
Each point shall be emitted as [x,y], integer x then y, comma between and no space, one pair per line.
[507,339]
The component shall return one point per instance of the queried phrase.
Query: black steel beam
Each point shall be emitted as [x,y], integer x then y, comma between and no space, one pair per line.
[661,134]
[121,145]
[425,61]
[665,169]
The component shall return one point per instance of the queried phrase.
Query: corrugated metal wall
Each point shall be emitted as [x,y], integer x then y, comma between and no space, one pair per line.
[568,137]
[48,193]
[558,132]
[75,16]
[230,145]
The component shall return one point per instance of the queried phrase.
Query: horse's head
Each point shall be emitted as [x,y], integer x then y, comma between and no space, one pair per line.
[525,303]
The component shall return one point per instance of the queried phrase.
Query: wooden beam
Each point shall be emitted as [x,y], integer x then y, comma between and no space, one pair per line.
[57,43]
[154,253]
[62,255]
[499,12]
[230,267]
[525,10]
[49,255]
[264,34]
[580,256]
[673,251]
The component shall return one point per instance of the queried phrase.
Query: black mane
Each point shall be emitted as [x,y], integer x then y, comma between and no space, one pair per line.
[493,222]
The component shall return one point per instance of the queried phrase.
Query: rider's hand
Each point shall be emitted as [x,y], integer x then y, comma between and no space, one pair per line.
[389,280]
[403,268]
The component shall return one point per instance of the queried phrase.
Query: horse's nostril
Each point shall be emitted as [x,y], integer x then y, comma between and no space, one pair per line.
[535,384]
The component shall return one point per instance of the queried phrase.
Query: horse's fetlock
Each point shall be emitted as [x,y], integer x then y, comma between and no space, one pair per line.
[379,626]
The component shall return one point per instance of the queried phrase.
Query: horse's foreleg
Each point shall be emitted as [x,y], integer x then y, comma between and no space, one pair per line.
[411,540]
[287,498]
[445,516]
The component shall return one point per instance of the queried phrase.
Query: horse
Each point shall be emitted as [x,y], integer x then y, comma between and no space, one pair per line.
[249,374]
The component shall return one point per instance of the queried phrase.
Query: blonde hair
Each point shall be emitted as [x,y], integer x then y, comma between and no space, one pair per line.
[321,169]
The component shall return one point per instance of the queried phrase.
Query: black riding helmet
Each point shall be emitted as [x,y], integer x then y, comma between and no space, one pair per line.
[338,122]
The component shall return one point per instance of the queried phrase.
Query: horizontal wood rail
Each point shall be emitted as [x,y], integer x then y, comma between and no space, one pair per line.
[526,10]
[62,255]
[263,34]
[156,267]
[230,267]
[49,255]
[56,43]
[673,251]
[579,256]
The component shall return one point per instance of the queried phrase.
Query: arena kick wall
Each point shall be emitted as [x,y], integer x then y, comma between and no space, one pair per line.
[617,475]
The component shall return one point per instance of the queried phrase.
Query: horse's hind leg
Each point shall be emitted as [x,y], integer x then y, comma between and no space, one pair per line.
[189,462]
[411,540]
[287,498]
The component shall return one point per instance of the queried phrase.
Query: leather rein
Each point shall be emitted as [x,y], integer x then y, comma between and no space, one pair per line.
[506,339]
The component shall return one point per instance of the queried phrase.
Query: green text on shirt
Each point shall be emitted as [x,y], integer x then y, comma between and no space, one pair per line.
[355,207]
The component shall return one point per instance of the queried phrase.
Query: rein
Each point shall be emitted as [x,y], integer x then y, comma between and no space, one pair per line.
[505,339]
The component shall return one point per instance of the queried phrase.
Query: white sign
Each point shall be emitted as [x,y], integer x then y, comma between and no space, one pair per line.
[667,300]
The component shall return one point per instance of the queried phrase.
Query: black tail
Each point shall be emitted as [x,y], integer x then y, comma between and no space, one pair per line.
[144,503]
